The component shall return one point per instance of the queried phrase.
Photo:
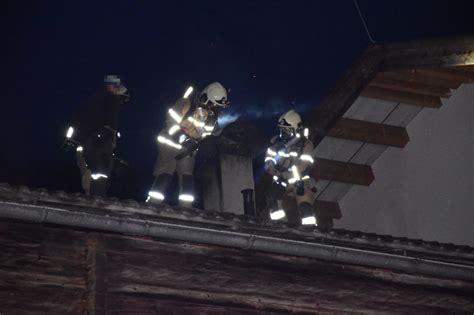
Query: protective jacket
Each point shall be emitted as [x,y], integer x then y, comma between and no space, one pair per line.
[102,110]
[186,124]
[289,162]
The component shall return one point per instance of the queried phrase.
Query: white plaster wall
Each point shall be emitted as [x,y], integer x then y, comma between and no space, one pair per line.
[425,190]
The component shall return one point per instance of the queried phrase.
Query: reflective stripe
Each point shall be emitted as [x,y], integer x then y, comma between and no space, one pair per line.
[156,195]
[275,178]
[173,129]
[292,181]
[296,174]
[270,159]
[209,128]
[79,149]
[298,135]
[188,92]
[283,154]
[306,132]
[278,214]
[96,176]
[284,184]
[169,142]
[196,123]
[309,221]
[305,177]
[119,134]
[293,153]
[271,152]
[175,116]
[205,134]
[186,197]
[182,138]
[307,158]
[70,132]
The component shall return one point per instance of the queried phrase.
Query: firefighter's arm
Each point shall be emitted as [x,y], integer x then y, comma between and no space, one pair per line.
[175,116]
[270,158]
[176,113]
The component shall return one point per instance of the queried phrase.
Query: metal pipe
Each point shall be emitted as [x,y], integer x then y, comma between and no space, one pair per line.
[215,236]
[249,202]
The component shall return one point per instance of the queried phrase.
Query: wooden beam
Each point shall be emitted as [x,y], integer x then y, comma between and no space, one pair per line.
[411,87]
[327,209]
[468,69]
[357,174]
[402,97]
[451,74]
[443,74]
[96,276]
[365,131]
[415,76]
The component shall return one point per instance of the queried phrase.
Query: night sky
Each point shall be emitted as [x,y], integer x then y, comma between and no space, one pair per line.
[273,55]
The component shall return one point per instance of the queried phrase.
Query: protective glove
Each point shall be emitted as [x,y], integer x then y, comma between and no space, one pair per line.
[189,144]
[271,169]
[299,185]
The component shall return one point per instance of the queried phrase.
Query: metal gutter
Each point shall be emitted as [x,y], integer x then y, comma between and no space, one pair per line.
[242,240]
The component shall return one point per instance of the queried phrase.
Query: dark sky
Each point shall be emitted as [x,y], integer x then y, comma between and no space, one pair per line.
[272,55]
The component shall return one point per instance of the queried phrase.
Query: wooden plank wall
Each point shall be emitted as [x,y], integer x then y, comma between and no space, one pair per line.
[50,270]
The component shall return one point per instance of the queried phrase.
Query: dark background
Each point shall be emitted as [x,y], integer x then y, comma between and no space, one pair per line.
[273,55]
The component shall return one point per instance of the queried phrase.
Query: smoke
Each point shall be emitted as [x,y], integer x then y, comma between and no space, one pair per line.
[254,112]
[226,119]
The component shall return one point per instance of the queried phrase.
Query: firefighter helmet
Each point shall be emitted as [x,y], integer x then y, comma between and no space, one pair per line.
[216,94]
[290,120]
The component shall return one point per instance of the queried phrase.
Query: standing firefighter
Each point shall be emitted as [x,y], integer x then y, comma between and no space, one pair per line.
[192,118]
[289,160]
[94,133]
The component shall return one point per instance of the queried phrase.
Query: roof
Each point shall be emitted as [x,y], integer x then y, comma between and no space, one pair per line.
[370,107]
[193,225]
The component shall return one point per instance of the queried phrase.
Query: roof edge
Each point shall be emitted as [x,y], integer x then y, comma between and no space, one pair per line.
[250,240]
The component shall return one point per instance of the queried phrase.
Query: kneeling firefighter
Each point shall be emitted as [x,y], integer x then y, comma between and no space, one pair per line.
[189,120]
[289,160]
[93,133]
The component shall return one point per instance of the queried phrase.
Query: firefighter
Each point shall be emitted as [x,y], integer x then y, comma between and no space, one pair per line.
[188,121]
[94,132]
[289,160]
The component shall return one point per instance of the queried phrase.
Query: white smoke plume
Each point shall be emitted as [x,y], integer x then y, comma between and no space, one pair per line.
[259,112]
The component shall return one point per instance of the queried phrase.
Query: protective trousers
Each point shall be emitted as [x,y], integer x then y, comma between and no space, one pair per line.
[96,161]
[85,172]
[165,166]
[304,197]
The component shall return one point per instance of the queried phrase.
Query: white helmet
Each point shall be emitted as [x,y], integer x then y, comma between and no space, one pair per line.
[216,94]
[290,120]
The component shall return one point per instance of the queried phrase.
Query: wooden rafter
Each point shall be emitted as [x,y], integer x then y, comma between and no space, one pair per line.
[327,209]
[352,173]
[450,74]
[416,76]
[401,97]
[365,131]
[411,87]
